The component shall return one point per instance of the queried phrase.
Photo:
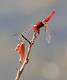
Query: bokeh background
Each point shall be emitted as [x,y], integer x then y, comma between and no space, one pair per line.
[47,61]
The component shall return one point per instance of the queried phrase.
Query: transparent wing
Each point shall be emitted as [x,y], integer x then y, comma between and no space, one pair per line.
[27,29]
[48,37]
[18,36]
[26,32]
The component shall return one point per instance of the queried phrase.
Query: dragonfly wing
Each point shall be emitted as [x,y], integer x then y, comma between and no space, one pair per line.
[18,36]
[48,37]
[26,32]
[27,29]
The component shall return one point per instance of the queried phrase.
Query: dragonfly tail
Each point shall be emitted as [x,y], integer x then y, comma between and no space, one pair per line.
[49,16]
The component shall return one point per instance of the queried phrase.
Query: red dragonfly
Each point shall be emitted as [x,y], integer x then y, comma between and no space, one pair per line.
[40,24]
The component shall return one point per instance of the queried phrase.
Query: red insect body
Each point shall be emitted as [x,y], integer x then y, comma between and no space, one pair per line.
[21,49]
[40,24]
[37,26]
[49,16]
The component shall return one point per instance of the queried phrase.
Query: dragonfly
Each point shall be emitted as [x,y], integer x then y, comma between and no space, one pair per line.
[41,24]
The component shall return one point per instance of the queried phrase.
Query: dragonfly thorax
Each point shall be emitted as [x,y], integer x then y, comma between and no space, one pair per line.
[38,25]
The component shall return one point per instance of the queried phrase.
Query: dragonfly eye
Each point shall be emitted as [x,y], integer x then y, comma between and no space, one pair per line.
[35,25]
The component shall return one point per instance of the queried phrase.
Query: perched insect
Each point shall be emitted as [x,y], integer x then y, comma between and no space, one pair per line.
[40,24]
[21,49]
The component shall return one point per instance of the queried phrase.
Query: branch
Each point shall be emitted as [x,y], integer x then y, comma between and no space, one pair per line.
[25,39]
[19,72]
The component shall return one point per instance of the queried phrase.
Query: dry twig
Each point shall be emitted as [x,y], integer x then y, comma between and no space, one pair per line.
[19,71]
